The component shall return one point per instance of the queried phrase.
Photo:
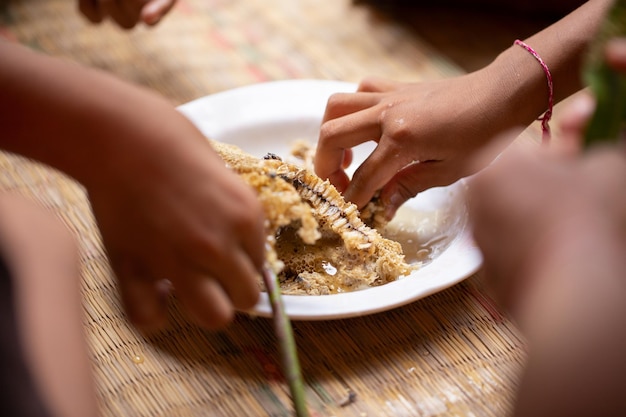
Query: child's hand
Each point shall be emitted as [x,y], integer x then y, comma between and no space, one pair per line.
[167,206]
[169,210]
[438,124]
[542,217]
[126,13]
[550,226]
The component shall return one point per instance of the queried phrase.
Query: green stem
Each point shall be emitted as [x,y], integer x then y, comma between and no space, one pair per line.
[287,343]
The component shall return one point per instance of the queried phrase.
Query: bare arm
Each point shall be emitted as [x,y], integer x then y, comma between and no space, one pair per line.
[42,260]
[167,207]
[562,46]
[426,131]
[550,224]
[551,231]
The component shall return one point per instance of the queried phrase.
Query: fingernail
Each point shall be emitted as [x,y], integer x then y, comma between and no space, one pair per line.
[152,13]
[154,7]
[391,207]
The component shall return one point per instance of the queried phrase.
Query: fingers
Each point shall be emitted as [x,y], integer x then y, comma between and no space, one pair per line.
[123,12]
[251,229]
[338,136]
[348,156]
[377,170]
[342,104]
[126,13]
[230,247]
[345,124]
[154,10]
[574,121]
[206,301]
[350,119]
[392,169]
[223,283]
[238,277]
[412,180]
[210,301]
[143,297]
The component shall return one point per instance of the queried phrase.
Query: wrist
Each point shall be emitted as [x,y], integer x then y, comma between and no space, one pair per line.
[521,83]
[119,132]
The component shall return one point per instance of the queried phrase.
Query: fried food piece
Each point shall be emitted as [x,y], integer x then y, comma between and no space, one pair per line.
[372,214]
[318,244]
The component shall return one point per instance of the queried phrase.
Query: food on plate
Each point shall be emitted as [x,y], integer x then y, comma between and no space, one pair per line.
[372,214]
[317,242]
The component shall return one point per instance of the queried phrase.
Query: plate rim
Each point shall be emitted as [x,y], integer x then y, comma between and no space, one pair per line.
[307,307]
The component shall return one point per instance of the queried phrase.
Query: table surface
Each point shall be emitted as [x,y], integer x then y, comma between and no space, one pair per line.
[452,353]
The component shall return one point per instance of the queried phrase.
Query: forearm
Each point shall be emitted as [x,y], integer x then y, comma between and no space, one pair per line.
[519,78]
[42,259]
[69,116]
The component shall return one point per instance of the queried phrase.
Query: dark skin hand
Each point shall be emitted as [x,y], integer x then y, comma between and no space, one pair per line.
[166,205]
[425,132]
[126,13]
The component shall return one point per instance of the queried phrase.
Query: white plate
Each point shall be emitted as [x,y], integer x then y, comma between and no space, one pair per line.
[268,117]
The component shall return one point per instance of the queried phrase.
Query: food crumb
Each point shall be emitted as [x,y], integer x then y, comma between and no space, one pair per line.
[349,399]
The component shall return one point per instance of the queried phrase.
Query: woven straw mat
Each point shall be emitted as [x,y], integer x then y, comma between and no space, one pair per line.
[450,354]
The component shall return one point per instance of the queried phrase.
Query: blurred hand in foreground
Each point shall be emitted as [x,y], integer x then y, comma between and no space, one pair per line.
[551,224]
[126,13]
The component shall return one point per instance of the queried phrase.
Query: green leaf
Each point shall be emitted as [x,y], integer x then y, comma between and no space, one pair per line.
[607,85]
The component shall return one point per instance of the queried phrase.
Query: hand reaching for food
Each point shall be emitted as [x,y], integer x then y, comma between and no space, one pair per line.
[426,131]
[166,206]
[416,127]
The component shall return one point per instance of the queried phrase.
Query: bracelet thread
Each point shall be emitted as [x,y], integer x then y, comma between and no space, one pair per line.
[545,119]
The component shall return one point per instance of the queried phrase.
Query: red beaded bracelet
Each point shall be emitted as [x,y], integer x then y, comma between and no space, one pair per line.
[545,128]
